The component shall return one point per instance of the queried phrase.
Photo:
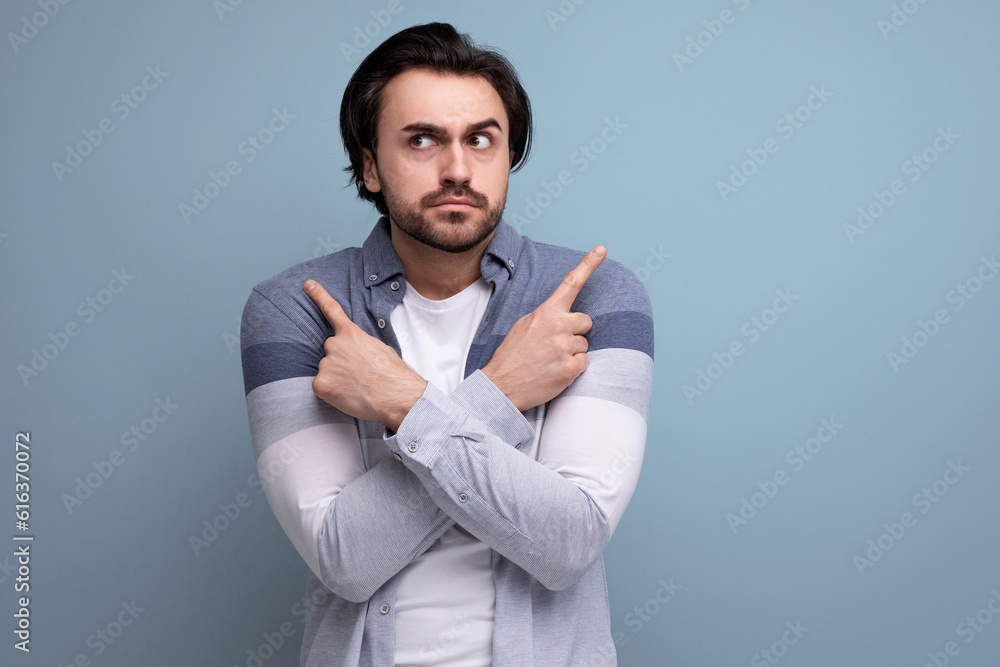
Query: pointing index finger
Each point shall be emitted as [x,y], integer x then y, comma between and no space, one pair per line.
[564,295]
[331,310]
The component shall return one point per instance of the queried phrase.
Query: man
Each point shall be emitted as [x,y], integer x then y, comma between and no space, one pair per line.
[448,421]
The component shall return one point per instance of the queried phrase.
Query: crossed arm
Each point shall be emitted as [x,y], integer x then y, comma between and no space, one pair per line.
[539,357]
[456,460]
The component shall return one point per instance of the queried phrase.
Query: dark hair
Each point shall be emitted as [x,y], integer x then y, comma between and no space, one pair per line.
[440,48]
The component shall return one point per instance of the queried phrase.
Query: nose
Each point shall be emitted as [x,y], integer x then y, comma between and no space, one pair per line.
[455,168]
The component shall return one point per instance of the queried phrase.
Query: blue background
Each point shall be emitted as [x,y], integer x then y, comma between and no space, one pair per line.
[712,260]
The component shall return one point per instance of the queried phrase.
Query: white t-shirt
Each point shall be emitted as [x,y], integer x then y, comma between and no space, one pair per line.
[446,597]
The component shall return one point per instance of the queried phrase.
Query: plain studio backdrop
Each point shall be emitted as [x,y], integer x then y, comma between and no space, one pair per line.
[807,190]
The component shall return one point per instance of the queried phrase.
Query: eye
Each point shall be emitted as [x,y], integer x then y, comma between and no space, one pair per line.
[421,141]
[481,140]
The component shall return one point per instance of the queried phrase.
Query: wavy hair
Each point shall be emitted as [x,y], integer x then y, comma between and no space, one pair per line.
[439,48]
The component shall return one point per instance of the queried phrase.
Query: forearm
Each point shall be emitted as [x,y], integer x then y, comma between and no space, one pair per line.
[540,520]
[355,528]
[378,524]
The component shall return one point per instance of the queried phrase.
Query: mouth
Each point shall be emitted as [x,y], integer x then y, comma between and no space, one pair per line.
[455,204]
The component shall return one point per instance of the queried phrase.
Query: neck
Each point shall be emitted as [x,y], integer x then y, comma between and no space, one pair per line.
[437,274]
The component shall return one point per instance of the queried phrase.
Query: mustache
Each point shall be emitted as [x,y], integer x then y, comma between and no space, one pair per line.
[434,198]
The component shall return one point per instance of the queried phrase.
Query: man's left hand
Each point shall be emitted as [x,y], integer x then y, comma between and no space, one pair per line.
[360,375]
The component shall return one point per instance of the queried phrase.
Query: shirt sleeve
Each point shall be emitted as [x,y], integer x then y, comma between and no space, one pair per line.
[354,527]
[552,516]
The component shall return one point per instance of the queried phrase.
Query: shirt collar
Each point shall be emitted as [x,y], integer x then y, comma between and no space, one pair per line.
[381,262]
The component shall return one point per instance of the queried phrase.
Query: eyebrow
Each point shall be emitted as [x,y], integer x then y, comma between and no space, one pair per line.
[437,130]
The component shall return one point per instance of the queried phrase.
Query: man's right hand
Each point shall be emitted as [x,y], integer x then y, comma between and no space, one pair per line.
[546,350]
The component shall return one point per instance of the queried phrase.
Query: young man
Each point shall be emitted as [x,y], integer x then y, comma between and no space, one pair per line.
[448,421]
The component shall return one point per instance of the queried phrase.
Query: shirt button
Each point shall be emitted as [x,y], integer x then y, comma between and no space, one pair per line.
[412,446]
[373,277]
[381,323]
[510,263]
[396,456]
[394,285]
[517,446]
[384,609]
[462,497]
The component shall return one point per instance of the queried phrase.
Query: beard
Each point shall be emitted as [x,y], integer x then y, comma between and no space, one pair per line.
[460,231]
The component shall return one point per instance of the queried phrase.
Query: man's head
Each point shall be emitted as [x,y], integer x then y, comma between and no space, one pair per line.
[429,117]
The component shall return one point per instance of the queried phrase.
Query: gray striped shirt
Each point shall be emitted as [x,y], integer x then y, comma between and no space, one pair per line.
[456,458]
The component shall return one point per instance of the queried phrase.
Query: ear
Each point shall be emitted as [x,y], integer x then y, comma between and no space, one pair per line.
[511,162]
[370,171]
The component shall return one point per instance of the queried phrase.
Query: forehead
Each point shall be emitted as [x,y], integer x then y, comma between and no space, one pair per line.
[448,100]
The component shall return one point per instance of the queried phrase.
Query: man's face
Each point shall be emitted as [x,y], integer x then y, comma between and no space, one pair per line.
[443,158]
